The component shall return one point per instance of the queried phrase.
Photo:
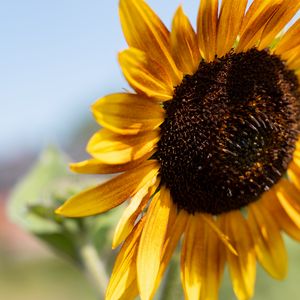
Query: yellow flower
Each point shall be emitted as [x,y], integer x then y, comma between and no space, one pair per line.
[207,146]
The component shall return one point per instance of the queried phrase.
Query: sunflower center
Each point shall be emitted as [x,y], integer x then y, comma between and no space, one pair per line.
[230,132]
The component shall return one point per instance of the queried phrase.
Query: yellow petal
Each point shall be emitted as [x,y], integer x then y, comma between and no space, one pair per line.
[94,166]
[223,237]
[214,267]
[288,197]
[230,21]
[297,153]
[192,252]
[152,243]
[242,268]
[290,39]
[269,245]
[292,58]
[272,204]
[252,12]
[176,228]
[207,21]
[146,75]
[282,16]
[294,174]
[112,148]
[110,194]
[296,158]
[202,261]
[132,211]
[184,44]
[128,113]
[122,284]
[255,21]
[144,30]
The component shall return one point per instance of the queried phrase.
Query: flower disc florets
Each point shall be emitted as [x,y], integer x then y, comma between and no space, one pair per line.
[230,132]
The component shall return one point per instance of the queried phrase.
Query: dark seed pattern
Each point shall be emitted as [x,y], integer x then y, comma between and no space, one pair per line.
[230,132]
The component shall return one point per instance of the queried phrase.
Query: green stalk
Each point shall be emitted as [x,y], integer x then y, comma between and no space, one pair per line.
[94,267]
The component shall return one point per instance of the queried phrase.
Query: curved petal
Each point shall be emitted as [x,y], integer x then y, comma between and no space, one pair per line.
[294,174]
[214,227]
[202,261]
[111,148]
[112,193]
[269,245]
[184,44]
[280,18]
[214,267]
[242,268]
[94,166]
[152,243]
[144,30]
[290,39]
[191,254]
[122,284]
[296,158]
[273,206]
[258,15]
[292,58]
[133,210]
[176,227]
[146,75]
[254,9]
[207,21]
[288,197]
[230,21]
[128,113]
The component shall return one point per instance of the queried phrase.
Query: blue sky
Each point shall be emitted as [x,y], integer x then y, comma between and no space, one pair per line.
[57,57]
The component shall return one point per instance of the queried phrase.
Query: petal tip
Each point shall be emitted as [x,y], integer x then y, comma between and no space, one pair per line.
[115,244]
[64,211]
[59,211]
[73,167]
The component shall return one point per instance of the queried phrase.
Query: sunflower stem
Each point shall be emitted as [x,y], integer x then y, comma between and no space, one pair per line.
[94,267]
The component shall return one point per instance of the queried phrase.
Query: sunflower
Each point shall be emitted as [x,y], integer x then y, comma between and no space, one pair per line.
[206,146]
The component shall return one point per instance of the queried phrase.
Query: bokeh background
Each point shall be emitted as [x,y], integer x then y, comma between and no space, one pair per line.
[56,58]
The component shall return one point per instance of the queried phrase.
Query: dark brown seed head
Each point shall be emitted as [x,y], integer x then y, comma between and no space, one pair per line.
[230,132]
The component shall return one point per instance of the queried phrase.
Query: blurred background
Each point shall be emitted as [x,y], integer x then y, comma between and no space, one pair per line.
[57,58]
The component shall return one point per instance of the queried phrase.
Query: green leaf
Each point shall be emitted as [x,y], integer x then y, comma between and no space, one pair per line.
[46,187]
[36,189]
[61,243]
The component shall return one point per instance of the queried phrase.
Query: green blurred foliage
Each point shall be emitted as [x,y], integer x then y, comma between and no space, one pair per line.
[44,278]
[46,187]
[35,191]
